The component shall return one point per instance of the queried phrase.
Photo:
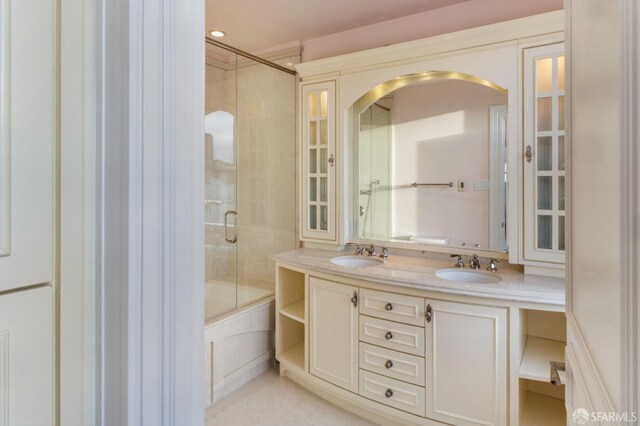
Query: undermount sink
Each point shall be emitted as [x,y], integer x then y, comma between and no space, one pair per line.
[461,275]
[356,261]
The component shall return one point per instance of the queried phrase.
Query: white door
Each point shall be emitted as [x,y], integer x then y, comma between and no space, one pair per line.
[466,356]
[27,182]
[602,256]
[333,323]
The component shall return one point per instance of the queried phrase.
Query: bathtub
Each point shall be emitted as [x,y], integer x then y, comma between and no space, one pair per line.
[239,344]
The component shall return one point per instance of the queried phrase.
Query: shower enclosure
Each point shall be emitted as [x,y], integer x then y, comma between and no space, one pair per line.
[249,175]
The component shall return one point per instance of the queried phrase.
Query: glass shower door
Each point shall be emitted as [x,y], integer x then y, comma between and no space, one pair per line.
[221,176]
[266,129]
[250,181]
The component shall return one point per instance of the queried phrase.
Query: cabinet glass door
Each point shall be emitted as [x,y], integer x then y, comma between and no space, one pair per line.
[544,140]
[318,160]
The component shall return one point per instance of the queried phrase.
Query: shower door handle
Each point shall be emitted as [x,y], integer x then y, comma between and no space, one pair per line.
[226,227]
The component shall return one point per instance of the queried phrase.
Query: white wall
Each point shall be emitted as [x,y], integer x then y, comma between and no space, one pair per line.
[441,134]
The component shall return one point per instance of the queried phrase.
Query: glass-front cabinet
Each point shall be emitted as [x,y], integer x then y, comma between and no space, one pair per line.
[318,154]
[544,145]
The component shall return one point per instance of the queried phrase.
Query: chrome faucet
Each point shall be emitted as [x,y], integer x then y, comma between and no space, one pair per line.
[459,262]
[474,262]
[492,265]
[359,250]
[371,250]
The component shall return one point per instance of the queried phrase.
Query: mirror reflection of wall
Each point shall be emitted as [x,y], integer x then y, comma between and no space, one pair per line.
[407,138]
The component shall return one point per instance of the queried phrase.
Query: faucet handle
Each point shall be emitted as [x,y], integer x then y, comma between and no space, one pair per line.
[359,250]
[492,265]
[459,262]
[385,253]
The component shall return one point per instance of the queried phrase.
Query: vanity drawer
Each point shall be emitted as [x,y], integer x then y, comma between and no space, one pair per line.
[394,307]
[398,365]
[394,393]
[392,335]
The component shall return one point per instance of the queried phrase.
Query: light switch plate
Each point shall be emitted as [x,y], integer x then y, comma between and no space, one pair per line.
[481,184]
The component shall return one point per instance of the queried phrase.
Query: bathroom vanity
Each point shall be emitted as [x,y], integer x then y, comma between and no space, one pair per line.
[397,344]
[443,149]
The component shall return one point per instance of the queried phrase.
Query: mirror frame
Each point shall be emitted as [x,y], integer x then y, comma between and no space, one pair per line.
[364,102]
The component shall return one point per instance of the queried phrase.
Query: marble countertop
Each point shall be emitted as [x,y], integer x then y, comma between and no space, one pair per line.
[419,273]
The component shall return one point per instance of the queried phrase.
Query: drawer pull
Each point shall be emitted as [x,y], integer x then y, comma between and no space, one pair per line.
[388,335]
[388,364]
[388,393]
[388,307]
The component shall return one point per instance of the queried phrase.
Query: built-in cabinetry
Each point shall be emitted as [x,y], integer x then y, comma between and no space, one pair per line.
[318,154]
[523,62]
[333,311]
[544,143]
[468,364]
[414,357]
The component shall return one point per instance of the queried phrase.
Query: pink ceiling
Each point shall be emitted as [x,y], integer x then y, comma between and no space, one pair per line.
[254,25]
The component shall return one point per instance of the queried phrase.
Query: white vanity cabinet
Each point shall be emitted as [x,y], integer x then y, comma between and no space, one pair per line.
[318,161]
[466,363]
[333,333]
[406,355]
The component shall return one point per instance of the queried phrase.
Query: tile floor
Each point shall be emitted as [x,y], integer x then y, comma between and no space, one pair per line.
[271,400]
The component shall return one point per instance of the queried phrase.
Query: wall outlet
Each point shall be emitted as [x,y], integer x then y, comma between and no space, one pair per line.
[462,186]
[481,184]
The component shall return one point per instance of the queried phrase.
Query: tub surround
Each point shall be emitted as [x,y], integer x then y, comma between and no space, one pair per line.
[420,273]
[238,348]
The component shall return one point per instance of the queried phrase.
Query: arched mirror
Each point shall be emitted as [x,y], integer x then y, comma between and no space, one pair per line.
[430,162]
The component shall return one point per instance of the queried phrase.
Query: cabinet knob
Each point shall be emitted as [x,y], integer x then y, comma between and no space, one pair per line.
[331,160]
[388,335]
[388,364]
[388,307]
[388,393]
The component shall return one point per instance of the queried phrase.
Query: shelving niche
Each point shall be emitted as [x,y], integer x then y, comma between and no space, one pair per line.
[543,339]
[291,302]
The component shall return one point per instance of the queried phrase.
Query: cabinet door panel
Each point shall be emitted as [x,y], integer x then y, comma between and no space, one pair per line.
[333,325]
[318,157]
[26,357]
[543,166]
[27,142]
[466,364]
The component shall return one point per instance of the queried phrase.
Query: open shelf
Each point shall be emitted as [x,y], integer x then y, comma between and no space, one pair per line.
[537,354]
[294,310]
[543,410]
[294,356]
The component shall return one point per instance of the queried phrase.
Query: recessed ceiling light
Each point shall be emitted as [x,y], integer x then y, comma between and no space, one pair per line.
[218,33]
